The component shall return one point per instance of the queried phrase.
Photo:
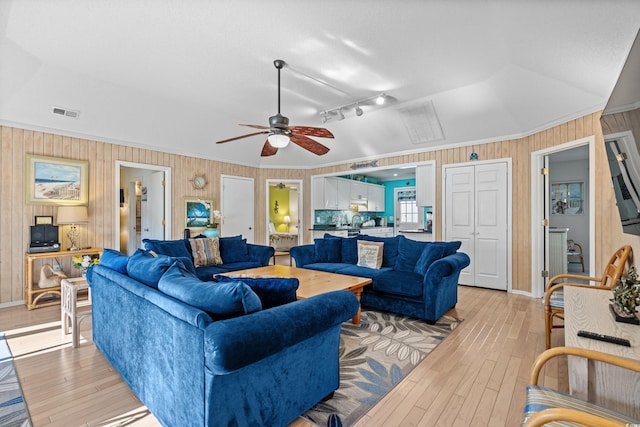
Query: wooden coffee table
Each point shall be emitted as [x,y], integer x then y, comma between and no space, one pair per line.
[312,282]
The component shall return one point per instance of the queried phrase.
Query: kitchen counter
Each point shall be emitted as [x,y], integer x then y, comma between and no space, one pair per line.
[417,230]
[418,234]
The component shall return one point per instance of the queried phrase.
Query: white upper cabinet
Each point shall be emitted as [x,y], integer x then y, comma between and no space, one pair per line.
[426,184]
[359,190]
[338,194]
[376,198]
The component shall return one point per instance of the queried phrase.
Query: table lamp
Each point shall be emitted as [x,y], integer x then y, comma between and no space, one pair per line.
[72,215]
[287,220]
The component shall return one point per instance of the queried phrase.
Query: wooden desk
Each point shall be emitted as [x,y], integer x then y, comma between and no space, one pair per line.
[32,293]
[615,388]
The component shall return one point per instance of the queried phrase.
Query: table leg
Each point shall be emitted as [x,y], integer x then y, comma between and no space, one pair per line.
[356,319]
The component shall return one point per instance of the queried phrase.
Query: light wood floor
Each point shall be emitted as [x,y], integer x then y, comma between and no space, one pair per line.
[475,377]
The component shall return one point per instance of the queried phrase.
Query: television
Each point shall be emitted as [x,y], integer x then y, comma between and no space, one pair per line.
[620,123]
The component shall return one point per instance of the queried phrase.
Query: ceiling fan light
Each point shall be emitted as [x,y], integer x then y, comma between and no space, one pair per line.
[278,140]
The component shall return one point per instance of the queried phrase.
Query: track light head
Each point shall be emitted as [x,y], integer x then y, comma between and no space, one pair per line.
[359,111]
[340,114]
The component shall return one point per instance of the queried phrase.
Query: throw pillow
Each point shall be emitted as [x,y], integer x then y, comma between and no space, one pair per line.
[177,248]
[348,249]
[430,253]
[220,300]
[114,260]
[408,253]
[272,291]
[233,250]
[390,247]
[328,250]
[370,254]
[148,267]
[205,251]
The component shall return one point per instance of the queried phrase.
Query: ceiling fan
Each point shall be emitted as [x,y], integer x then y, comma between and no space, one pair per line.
[280,133]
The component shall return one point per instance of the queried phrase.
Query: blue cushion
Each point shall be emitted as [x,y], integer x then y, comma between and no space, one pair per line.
[389,251]
[144,267]
[176,248]
[233,250]
[409,252]
[329,267]
[450,248]
[220,300]
[355,270]
[400,283]
[114,260]
[430,253]
[206,273]
[242,265]
[328,250]
[349,248]
[272,291]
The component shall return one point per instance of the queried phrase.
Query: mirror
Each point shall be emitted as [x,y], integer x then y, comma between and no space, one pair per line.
[620,123]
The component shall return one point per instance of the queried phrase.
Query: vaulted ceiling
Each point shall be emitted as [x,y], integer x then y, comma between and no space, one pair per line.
[179,75]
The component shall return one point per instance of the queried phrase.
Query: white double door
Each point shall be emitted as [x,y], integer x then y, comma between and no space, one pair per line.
[476,213]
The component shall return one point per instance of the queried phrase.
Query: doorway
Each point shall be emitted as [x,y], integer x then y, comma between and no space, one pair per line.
[144,208]
[284,213]
[237,207]
[554,186]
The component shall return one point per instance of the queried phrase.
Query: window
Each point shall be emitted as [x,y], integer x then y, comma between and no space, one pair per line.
[408,209]
[567,198]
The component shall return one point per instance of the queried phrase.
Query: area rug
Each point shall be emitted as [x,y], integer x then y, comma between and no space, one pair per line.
[13,410]
[374,357]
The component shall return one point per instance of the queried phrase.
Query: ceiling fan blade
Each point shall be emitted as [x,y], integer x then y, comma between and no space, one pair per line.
[309,144]
[268,149]
[311,131]
[240,137]
[255,126]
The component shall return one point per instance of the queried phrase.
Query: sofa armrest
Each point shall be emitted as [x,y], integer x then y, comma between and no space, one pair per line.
[303,255]
[260,253]
[451,264]
[234,343]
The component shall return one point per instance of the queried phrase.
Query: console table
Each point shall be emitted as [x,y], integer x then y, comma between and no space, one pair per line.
[70,317]
[32,293]
[613,387]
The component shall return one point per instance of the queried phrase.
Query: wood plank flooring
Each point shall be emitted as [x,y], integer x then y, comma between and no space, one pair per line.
[475,377]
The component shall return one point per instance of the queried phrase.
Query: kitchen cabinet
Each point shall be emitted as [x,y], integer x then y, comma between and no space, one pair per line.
[331,193]
[344,194]
[375,194]
[426,184]
[359,191]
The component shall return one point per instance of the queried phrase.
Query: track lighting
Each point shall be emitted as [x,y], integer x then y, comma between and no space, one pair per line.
[338,113]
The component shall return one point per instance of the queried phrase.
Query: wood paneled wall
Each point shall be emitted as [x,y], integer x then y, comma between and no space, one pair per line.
[16,216]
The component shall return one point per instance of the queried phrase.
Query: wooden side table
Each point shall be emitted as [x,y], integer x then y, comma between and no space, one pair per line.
[32,293]
[70,317]
[281,253]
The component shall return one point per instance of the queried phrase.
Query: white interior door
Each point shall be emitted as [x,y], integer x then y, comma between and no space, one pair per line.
[460,214]
[237,207]
[153,208]
[476,198]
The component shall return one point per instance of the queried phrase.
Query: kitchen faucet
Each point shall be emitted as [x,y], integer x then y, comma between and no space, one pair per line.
[356,222]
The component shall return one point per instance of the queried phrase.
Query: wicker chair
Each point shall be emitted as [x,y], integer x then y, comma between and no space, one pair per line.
[574,253]
[544,405]
[554,297]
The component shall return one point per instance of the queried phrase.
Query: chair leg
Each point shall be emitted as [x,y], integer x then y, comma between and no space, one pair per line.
[582,262]
[547,328]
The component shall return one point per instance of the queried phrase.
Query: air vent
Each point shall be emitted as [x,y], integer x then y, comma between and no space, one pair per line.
[66,112]
[422,123]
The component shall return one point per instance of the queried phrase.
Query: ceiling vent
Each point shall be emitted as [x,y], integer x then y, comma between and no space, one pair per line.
[422,123]
[65,112]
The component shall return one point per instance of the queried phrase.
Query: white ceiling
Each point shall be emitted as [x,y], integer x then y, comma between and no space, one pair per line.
[179,75]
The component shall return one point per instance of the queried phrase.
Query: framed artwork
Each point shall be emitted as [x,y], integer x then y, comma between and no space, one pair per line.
[40,220]
[197,212]
[55,181]
[567,198]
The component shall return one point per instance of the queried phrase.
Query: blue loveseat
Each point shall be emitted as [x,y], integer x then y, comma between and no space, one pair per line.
[416,279]
[206,353]
[235,252]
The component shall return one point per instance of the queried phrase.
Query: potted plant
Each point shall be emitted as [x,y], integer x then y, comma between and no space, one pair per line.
[212,226]
[626,297]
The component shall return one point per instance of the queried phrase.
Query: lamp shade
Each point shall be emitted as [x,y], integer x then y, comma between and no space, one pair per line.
[72,215]
[287,219]
[278,140]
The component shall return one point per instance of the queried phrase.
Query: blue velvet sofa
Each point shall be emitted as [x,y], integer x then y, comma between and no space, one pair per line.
[236,254]
[206,353]
[415,279]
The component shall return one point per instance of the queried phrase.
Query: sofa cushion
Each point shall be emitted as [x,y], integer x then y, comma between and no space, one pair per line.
[233,250]
[148,267]
[328,250]
[205,251]
[354,270]
[272,291]
[241,265]
[330,267]
[450,248]
[390,253]
[175,248]
[114,260]
[219,300]
[370,254]
[206,273]
[409,252]
[399,283]
[348,249]
[430,253]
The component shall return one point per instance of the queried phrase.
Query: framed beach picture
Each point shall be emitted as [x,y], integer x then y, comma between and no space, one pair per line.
[55,181]
[197,212]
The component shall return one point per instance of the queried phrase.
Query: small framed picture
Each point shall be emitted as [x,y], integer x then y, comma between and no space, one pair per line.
[197,212]
[44,220]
